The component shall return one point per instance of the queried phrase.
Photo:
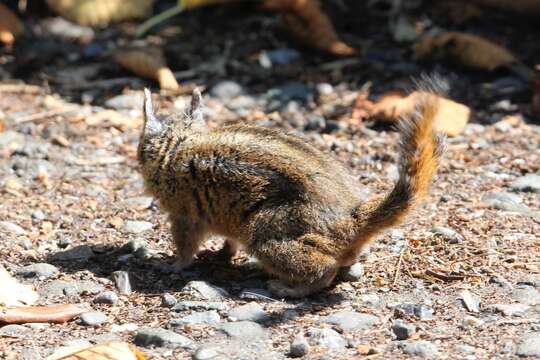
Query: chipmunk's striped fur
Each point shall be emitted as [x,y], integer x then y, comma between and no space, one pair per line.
[295,208]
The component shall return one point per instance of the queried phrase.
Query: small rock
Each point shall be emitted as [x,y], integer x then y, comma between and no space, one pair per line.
[13,330]
[282,56]
[64,243]
[506,201]
[471,321]
[140,203]
[421,311]
[530,183]
[167,300]
[226,90]
[106,297]
[161,338]
[328,338]
[124,327]
[526,295]
[10,227]
[324,89]
[530,280]
[464,349]
[39,270]
[121,281]
[498,279]
[470,301]
[351,320]
[205,291]
[421,348]
[137,227]
[299,347]
[205,354]
[125,102]
[30,354]
[26,244]
[403,330]
[509,309]
[529,345]
[353,273]
[38,215]
[78,253]
[133,246]
[291,91]
[94,318]
[243,330]
[251,312]
[207,317]
[449,234]
[69,288]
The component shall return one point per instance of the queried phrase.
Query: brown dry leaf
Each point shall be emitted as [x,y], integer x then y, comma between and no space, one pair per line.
[149,63]
[451,117]
[113,350]
[13,293]
[466,49]
[39,314]
[10,25]
[101,12]
[310,25]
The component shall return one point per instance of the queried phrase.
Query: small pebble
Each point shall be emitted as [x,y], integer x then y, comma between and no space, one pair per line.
[106,297]
[26,244]
[205,291]
[243,330]
[205,354]
[529,345]
[353,273]
[403,330]
[226,90]
[207,317]
[328,338]
[121,281]
[351,320]
[39,270]
[530,183]
[167,300]
[421,348]
[251,312]
[10,227]
[299,347]
[161,338]
[94,318]
[471,321]
[137,227]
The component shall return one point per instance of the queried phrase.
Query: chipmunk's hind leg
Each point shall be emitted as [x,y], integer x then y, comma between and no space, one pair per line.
[304,265]
[187,237]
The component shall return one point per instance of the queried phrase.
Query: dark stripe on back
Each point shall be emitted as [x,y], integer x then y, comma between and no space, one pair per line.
[197,199]
[192,169]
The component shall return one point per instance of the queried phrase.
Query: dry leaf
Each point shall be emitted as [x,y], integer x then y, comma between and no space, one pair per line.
[101,12]
[466,49]
[13,293]
[113,350]
[149,63]
[10,25]
[39,314]
[310,25]
[451,117]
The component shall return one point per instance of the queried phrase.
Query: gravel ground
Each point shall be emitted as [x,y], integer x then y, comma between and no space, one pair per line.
[459,279]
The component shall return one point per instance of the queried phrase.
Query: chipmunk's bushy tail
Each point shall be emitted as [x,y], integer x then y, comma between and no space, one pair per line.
[420,150]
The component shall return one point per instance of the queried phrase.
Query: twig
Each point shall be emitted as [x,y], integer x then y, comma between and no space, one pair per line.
[20,88]
[398,265]
[444,277]
[44,115]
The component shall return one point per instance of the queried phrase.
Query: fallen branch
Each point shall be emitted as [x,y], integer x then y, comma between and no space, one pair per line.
[39,314]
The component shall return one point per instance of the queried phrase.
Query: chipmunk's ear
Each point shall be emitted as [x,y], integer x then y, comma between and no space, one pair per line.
[152,125]
[195,110]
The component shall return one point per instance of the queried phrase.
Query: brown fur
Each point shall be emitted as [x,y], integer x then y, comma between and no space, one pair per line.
[296,209]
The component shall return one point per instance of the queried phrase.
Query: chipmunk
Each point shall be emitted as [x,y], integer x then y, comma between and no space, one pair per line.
[294,208]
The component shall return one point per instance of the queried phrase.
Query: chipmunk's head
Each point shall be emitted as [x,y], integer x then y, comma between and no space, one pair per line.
[158,131]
